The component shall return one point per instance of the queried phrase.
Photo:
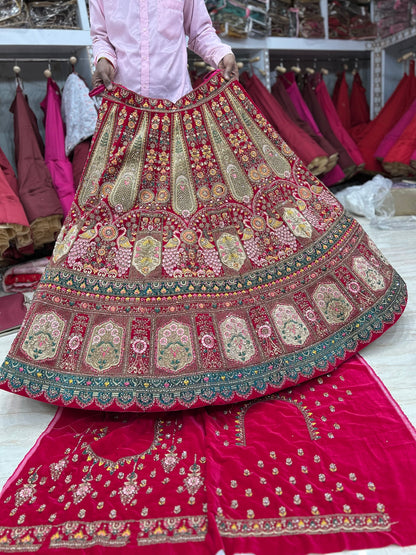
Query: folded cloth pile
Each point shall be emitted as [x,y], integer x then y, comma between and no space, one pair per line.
[348,19]
[59,14]
[392,17]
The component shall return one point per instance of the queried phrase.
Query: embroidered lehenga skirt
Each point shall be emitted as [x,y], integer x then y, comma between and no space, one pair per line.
[201,263]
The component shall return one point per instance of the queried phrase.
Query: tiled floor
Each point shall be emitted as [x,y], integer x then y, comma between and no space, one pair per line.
[393,357]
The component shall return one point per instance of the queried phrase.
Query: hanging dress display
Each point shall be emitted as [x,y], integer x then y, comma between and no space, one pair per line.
[314,157]
[345,161]
[340,98]
[201,264]
[14,227]
[286,90]
[397,105]
[55,157]
[36,190]
[397,161]
[79,114]
[359,108]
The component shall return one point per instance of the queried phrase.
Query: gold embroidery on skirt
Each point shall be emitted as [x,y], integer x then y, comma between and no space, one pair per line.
[98,159]
[183,191]
[124,192]
[235,178]
[273,158]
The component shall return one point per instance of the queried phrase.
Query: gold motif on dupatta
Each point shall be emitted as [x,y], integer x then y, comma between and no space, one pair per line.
[125,188]
[183,193]
[273,158]
[98,160]
[234,177]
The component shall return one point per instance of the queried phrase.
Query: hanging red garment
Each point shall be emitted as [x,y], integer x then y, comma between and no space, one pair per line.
[392,111]
[78,159]
[336,124]
[314,157]
[359,108]
[345,161]
[291,100]
[8,172]
[397,160]
[36,190]
[14,226]
[55,158]
[340,98]
[201,264]
[395,132]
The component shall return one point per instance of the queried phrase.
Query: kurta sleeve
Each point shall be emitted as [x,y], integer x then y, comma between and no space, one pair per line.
[101,45]
[203,39]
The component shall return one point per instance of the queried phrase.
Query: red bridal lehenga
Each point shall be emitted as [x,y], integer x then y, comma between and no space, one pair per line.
[200,264]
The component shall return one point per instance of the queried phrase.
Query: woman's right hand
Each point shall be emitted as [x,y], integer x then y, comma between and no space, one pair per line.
[103,74]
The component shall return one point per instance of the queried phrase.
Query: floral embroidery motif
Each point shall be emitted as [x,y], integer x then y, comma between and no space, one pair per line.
[231,251]
[43,337]
[289,325]
[174,346]
[298,225]
[368,273]
[331,303]
[237,340]
[104,348]
[194,480]
[64,242]
[147,254]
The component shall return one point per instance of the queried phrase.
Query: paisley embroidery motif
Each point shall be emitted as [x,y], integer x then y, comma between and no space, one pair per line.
[231,251]
[147,255]
[298,225]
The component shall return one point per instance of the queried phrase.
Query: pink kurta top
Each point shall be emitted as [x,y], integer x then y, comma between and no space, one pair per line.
[146,41]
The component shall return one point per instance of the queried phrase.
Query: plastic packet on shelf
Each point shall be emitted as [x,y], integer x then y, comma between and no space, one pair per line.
[17,21]
[58,14]
[10,9]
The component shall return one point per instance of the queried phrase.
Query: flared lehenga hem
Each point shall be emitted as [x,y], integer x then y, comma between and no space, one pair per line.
[201,263]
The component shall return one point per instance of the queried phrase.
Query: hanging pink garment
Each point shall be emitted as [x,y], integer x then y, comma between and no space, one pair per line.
[346,163]
[395,132]
[332,115]
[397,160]
[314,157]
[340,98]
[36,190]
[303,119]
[55,158]
[392,111]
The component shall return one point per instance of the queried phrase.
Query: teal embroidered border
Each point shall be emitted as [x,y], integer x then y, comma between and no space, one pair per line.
[149,393]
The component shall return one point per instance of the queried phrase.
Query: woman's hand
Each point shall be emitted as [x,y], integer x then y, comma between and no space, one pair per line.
[229,67]
[103,74]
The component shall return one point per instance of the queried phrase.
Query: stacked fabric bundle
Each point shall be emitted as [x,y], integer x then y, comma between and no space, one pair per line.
[280,18]
[59,14]
[350,20]
[238,19]
[392,17]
